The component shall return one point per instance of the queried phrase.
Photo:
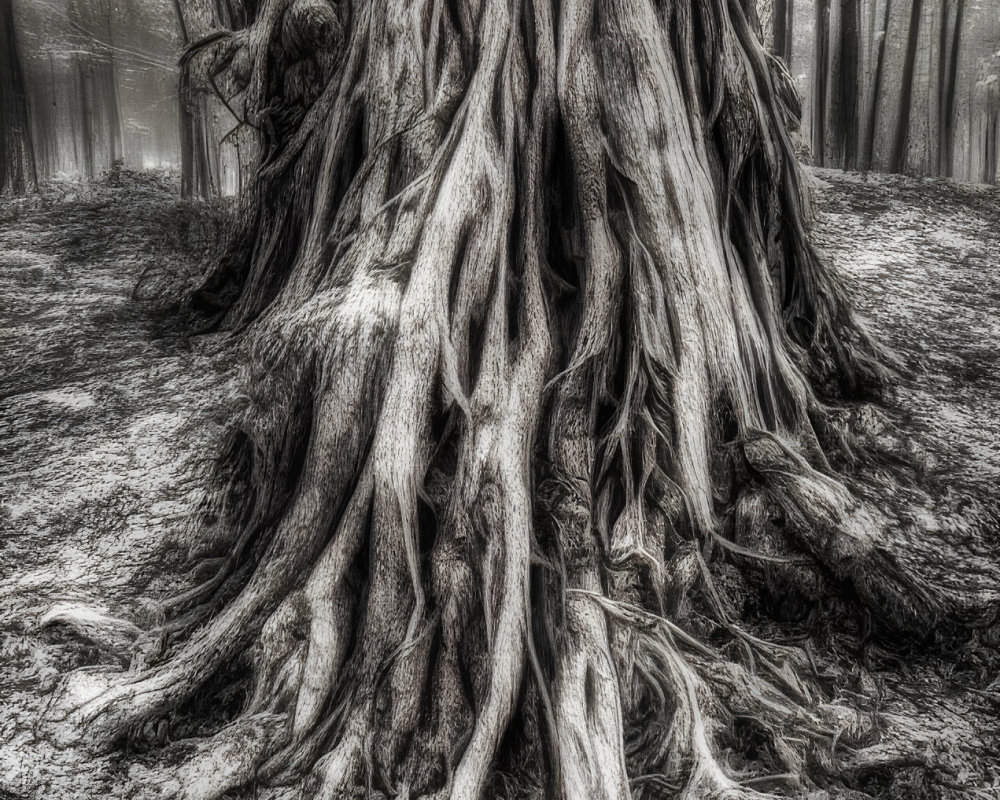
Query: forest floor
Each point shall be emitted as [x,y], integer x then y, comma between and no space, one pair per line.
[110,414]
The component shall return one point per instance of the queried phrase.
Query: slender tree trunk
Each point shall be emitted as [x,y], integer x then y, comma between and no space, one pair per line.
[539,347]
[790,34]
[782,29]
[821,80]
[993,151]
[95,107]
[46,131]
[941,80]
[900,139]
[845,98]
[836,87]
[950,91]
[110,96]
[875,103]
[85,105]
[18,166]
[991,133]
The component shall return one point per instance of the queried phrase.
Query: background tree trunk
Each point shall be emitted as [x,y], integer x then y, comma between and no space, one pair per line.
[871,118]
[900,139]
[18,167]
[844,77]
[95,110]
[947,141]
[783,12]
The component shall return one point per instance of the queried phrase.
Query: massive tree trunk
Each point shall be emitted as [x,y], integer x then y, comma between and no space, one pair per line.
[17,156]
[540,352]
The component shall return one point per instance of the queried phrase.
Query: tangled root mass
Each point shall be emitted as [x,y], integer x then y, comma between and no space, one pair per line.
[539,354]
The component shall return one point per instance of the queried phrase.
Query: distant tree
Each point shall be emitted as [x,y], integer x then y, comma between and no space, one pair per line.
[775,20]
[856,123]
[96,109]
[820,79]
[18,168]
[877,38]
[948,82]
[984,134]
[901,137]
[837,93]
[844,81]
[782,22]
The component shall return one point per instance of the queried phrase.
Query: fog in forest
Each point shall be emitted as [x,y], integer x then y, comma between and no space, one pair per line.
[907,86]
[100,80]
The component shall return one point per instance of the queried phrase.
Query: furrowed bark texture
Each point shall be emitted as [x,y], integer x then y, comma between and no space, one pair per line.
[535,333]
[218,146]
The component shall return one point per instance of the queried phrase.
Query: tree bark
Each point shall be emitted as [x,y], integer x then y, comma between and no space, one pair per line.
[871,118]
[782,21]
[18,168]
[821,80]
[901,137]
[538,343]
[844,75]
[209,91]
[200,155]
[947,121]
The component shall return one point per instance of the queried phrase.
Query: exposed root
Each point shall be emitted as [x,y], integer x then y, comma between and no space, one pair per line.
[93,625]
[588,709]
[225,761]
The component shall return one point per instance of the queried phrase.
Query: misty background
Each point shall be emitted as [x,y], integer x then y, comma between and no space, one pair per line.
[907,86]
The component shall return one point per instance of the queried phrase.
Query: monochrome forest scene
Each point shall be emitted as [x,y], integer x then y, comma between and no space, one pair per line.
[499,399]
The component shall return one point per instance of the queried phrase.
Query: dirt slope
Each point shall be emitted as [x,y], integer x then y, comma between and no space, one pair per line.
[923,261]
[109,414]
[106,415]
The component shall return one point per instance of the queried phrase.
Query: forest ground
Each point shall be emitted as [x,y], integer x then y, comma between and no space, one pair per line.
[110,413]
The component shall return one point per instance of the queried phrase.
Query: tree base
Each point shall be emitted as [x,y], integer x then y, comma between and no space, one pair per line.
[552,345]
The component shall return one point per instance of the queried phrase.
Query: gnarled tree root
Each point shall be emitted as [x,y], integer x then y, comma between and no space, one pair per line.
[537,341]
